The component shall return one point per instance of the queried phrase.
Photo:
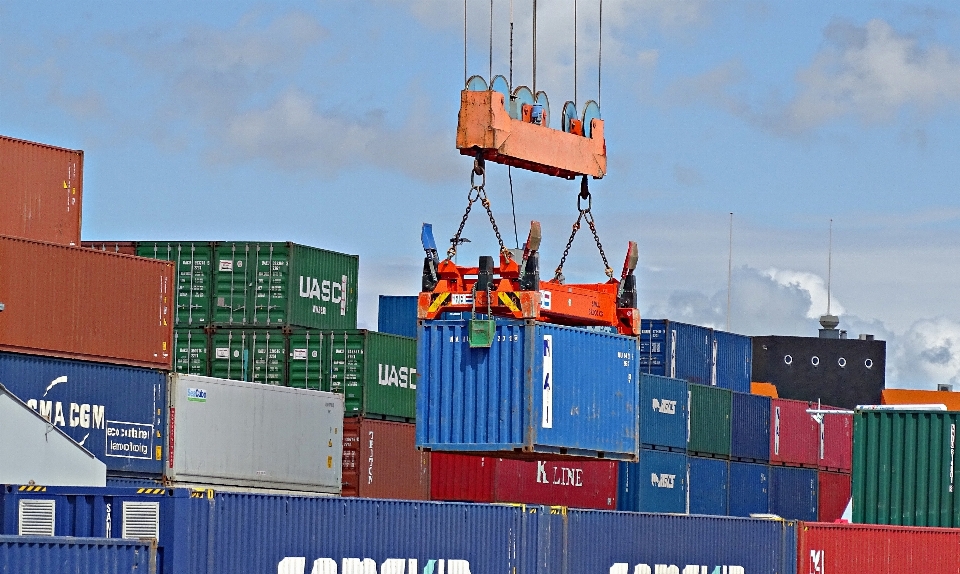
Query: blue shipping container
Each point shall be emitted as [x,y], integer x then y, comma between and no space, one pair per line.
[397,315]
[657,483]
[793,493]
[43,555]
[749,489]
[707,485]
[539,389]
[750,427]
[115,412]
[663,412]
[626,543]
[733,358]
[676,350]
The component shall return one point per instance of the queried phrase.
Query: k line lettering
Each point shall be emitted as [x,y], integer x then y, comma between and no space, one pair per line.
[624,568]
[561,476]
[391,375]
[298,565]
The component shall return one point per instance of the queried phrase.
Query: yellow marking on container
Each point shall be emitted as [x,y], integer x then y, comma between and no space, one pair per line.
[329,462]
[159,453]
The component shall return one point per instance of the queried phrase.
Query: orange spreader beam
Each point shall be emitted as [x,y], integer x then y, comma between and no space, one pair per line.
[574,305]
[485,125]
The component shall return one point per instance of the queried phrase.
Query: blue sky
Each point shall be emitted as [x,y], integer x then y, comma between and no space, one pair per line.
[332,124]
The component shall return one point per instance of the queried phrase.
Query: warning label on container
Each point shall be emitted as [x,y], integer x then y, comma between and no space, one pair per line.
[300,354]
[129,440]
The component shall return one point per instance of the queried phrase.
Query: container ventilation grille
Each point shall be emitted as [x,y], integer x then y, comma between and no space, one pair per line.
[141,520]
[37,517]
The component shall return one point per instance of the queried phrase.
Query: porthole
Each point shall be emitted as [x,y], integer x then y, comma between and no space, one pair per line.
[868,363]
[788,359]
[842,362]
[815,361]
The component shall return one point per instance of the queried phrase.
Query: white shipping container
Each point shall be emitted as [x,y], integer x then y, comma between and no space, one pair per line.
[233,433]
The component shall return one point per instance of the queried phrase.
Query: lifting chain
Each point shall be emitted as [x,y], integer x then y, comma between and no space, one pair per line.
[477,193]
[585,215]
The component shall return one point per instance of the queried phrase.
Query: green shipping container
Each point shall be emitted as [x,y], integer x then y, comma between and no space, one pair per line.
[306,360]
[376,372]
[284,284]
[709,421]
[190,352]
[904,468]
[194,277]
[254,355]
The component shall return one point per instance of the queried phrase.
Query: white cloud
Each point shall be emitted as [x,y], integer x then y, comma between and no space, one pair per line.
[813,285]
[927,354]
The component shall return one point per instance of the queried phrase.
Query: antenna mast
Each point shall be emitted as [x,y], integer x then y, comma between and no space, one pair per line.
[729,271]
[829,264]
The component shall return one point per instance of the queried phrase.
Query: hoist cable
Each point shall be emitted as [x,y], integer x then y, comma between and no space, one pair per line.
[464,43]
[511,44]
[600,53]
[534,46]
[575,102]
[516,237]
[490,76]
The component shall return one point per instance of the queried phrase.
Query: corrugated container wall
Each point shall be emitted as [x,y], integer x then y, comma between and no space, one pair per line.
[833,494]
[41,190]
[733,361]
[375,372]
[115,412]
[676,350]
[233,433]
[663,412]
[828,548]
[793,492]
[658,483]
[380,460]
[539,389]
[749,488]
[709,421]
[191,353]
[836,449]
[903,468]
[707,485]
[573,483]
[794,435]
[194,272]
[125,247]
[43,555]
[750,427]
[397,314]
[83,304]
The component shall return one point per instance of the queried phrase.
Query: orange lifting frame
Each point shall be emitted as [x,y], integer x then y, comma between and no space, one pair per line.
[485,125]
[573,305]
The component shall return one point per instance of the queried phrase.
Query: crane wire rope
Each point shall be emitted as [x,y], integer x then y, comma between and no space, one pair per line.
[575,102]
[534,46]
[513,206]
[599,52]
[490,69]
[464,43]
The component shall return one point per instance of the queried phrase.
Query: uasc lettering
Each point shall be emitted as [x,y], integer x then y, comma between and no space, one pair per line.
[391,375]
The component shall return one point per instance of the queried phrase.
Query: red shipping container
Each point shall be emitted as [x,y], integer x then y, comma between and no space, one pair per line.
[381,460]
[863,549]
[577,484]
[837,448]
[41,188]
[794,435]
[78,303]
[833,494]
[126,247]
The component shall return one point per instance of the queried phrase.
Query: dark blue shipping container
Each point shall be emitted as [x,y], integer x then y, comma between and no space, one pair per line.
[398,315]
[657,483]
[627,543]
[540,389]
[663,412]
[733,357]
[115,412]
[749,489]
[676,350]
[44,555]
[793,493]
[707,485]
[750,427]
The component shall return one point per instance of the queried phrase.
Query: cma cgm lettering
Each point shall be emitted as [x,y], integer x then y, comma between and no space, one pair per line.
[115,412]
[392,375]
[298,565]
[624,568]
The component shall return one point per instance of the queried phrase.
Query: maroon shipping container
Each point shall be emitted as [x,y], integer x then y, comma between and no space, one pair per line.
[125,247]
[870,549]
[578,484]
[837,449]
[794,435]
[833,494]
[381,460]
[79,303]
[41,188]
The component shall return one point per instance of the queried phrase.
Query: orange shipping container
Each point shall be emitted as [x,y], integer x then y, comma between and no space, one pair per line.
[915,397]
[83,304]
[41,188]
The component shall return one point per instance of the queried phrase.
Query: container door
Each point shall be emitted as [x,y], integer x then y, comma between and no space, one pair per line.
[270,295]
[231,355]
[234,278]
[346,370]
[190,352]
[267,348]
[306,361]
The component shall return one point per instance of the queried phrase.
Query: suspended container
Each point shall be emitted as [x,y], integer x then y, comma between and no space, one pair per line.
[732,360]
[397,315]
[833,494]
[380,460]
[193,261]
[709,421]
[794,435]
[707,485]
[657,483]
[663,413]
[749,488]
[539,390]
[904,468]
[793,493]
[750,428]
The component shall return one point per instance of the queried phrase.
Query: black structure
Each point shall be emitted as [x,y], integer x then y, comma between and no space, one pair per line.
[840,372]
